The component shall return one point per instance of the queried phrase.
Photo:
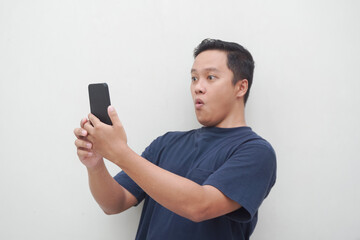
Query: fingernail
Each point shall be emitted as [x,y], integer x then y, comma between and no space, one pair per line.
[111,108]
[88,145]
[83,132]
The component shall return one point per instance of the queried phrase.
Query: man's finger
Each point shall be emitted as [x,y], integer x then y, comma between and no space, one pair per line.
[113,116]
[83,121]
[82,144]
[89,128]
[80,132]
[93,119]
[84,153]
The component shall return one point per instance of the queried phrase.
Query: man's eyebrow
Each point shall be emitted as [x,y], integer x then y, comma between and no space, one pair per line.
[210,69]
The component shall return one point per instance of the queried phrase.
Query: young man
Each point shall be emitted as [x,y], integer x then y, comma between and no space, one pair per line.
[206,183]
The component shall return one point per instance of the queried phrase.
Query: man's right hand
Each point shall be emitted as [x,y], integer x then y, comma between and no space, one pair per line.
[84,147]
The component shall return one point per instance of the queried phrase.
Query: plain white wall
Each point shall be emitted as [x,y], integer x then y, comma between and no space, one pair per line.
[304,100]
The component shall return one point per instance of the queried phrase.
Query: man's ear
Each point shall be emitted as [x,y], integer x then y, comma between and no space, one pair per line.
[241,87]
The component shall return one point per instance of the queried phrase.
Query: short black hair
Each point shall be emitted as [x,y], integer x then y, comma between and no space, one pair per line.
[239,59]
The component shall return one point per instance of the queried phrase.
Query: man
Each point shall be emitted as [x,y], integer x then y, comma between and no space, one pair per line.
[206,183]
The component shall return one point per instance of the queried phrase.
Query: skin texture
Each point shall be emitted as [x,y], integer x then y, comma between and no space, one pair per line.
[217,103]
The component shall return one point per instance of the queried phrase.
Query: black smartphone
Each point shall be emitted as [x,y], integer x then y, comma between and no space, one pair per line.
[100,101]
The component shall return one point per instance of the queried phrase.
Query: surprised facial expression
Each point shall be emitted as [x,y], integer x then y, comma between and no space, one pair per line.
[212,90]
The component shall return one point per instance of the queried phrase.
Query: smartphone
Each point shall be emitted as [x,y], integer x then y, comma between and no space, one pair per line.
[99,101]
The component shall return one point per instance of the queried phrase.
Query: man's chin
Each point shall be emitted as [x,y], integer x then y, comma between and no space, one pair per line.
[205,122]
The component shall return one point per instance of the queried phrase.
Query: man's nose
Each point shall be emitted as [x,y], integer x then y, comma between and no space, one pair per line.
[200,87]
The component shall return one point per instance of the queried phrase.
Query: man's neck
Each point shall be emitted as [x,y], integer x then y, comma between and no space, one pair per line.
[235,119]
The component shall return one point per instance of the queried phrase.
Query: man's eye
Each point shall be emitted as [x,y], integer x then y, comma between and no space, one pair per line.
[193,79]
[211,77]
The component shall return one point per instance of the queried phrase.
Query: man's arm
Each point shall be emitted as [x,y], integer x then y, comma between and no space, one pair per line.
[110,195]
[178,194]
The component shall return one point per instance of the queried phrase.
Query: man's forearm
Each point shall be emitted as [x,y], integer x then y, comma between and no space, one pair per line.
[178,194]
[110,196]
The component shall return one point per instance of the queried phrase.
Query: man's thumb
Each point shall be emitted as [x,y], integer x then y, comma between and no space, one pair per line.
[113,116]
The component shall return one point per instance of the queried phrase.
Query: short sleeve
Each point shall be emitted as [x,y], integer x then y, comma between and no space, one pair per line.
[247,178]
[124,180]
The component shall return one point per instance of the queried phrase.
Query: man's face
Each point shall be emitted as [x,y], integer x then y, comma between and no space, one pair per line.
[212,90]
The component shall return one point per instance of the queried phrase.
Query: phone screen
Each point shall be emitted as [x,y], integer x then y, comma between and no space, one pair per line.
[100,101]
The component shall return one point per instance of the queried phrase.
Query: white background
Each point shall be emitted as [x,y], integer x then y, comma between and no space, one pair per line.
[304,100]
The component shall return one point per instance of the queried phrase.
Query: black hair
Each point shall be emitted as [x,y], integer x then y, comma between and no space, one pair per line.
[239,59]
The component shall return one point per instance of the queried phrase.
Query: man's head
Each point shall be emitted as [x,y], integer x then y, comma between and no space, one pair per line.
[221,77]
[239,60]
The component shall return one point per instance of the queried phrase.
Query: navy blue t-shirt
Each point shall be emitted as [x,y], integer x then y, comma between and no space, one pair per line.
[236,161]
